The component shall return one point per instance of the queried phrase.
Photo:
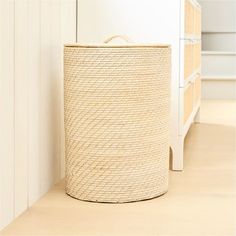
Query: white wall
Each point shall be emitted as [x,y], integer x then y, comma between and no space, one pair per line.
[218,15]
[32,33]
[100,19]
[218,25]
[219,36]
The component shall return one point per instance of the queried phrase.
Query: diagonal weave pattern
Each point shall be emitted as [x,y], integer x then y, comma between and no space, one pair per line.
[116,122]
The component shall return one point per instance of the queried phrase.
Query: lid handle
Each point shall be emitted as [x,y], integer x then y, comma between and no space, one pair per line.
[125,38]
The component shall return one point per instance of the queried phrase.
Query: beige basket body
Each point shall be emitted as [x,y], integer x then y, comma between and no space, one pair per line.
[116,122]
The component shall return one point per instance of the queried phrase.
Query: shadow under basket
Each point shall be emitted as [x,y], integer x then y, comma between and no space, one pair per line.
[117,121]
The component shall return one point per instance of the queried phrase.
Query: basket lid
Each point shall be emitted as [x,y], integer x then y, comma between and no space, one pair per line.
[128,44]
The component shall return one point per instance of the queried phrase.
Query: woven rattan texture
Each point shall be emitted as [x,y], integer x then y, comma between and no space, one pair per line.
[116,122]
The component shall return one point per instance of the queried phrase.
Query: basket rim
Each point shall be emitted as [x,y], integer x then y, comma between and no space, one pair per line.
[130,45]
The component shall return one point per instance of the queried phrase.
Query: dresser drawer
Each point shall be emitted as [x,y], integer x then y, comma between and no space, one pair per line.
[191,57]
[192,19]
[189,18]
[188,102]
[188,59]
[197,90]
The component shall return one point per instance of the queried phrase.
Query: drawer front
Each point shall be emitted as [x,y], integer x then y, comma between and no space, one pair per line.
[188,59]
[188,102]
[197,55]
[192,19]
[197,90]
[189,18]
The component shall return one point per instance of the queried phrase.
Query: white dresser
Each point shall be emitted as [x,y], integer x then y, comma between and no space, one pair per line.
[156,21]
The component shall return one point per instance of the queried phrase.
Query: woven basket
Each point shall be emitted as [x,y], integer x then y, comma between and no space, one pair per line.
[116,121]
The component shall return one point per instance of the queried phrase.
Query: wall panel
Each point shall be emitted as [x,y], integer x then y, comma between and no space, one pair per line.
[47,124]
[21,105]
[31,99]
[7,112]
[34,74]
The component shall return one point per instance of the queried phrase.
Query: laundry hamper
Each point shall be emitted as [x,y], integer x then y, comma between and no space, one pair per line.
[116,121]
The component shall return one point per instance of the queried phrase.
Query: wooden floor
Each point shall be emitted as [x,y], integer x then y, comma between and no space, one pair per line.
[200,200]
